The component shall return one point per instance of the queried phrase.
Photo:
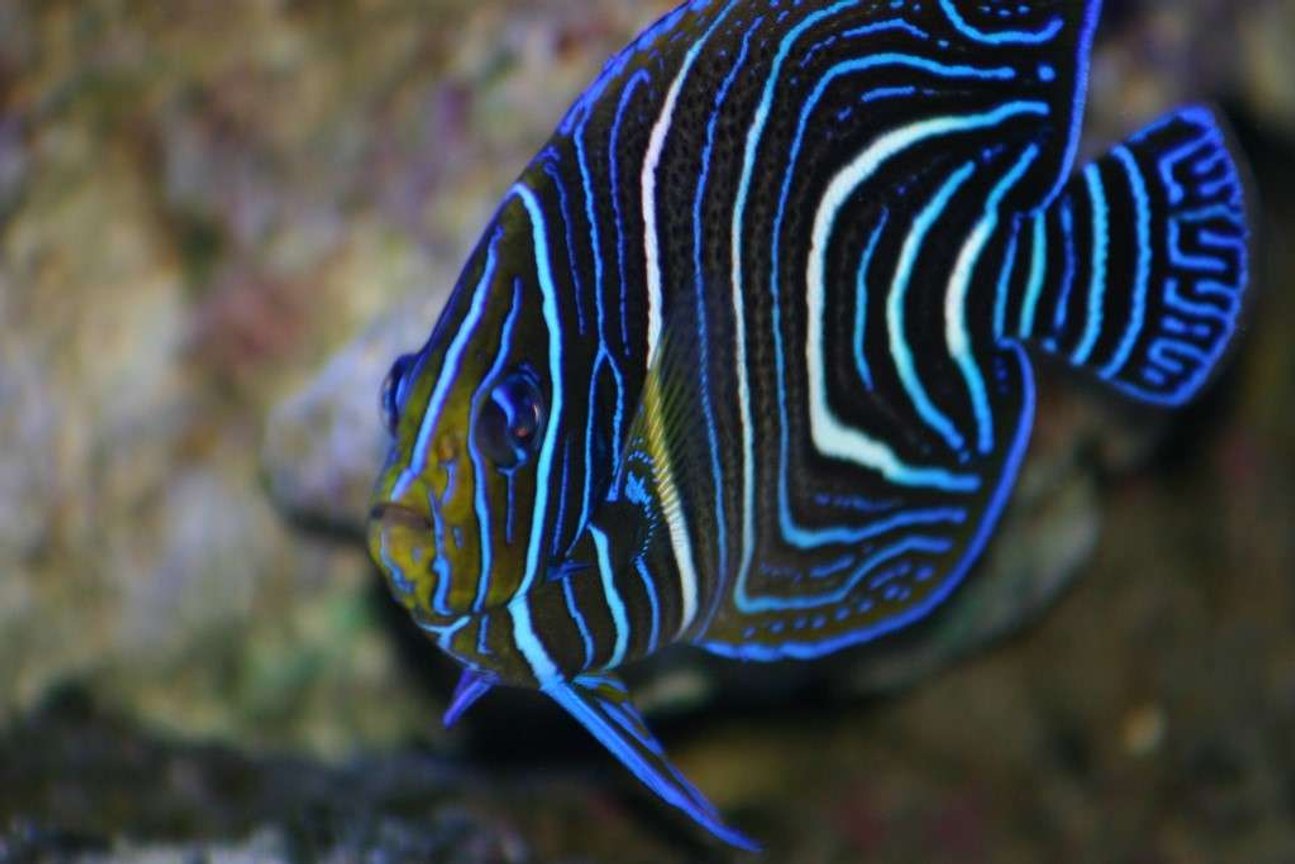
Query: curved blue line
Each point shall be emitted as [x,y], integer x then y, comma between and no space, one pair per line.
[1038,269]
[639,77]
[918,543]
[649,587]
[1062,310]
[699,289]
[585,636]
[615,605]
[992,512]
[449,371]
[482,505]
[1099,254]
[787,520]
[922,225]
[861,299]
[1006,37]
[553,323]
[1004,285]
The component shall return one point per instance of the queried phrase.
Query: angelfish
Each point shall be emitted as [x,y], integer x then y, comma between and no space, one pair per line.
[744,359]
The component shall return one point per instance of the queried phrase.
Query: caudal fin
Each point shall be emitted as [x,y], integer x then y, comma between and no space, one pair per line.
[1137,272]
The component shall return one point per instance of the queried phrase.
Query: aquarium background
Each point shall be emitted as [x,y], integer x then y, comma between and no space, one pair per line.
[220,222]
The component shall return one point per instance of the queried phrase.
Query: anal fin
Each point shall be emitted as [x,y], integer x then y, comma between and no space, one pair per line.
[1137,273]
[602,705]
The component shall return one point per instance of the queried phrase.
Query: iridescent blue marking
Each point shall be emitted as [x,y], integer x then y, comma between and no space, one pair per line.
[654,615]
[586,637]
[1004,37]
[638,78]
[578,292]
[1038,268]
[553,321]
[908,544]
[481,502]
[1004,285]
[993,510]
[955,311]
[862,296]
[1099,254]
[1062,310]
[699,288]
[449,372]
[895,313]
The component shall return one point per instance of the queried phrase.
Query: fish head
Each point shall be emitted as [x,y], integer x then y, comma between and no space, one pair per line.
[454,509]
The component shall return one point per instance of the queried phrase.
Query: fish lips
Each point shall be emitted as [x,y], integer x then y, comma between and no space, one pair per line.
[402,542]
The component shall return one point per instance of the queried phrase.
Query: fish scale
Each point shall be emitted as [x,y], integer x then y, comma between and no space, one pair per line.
[745,358]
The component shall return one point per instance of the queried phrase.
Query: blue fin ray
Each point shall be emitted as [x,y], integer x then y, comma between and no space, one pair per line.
[602,705]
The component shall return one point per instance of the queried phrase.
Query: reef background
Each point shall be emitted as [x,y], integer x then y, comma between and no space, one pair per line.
[212,212]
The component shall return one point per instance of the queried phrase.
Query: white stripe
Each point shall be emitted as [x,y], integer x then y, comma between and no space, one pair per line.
[528,642]
[956,335]
[647,183]
[830,436]
[1034,288]
[746,423]
[620,622]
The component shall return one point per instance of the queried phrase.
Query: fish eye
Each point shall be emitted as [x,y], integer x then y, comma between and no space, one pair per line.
[510,423]
[393,391]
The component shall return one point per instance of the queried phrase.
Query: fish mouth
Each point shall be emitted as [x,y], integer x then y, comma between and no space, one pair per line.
[402,542]
[390,514]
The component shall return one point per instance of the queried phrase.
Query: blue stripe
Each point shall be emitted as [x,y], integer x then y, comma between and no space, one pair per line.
[482,503]
[699,288]
[639,77]
[909,544]
[649,586]
[1004,37]
[895,313]
[449,372]
[862,296]
[553,323]
[574,611]
[1142,276]
[1004,286]
[1099,252]
[992,512]
[1062,310]
[1038,269]
[955,317]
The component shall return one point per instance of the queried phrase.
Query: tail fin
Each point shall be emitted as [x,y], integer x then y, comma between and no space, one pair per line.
[1137,272]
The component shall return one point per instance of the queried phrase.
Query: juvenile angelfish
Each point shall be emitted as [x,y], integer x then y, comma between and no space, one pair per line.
[744,360]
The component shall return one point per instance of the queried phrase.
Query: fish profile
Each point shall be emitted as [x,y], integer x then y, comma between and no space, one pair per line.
[744,359]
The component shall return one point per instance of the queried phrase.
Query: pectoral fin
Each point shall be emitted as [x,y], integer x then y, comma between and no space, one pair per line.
[471,687]
[602,705]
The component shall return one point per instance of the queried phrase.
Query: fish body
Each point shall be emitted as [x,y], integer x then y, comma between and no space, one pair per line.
[744,359]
